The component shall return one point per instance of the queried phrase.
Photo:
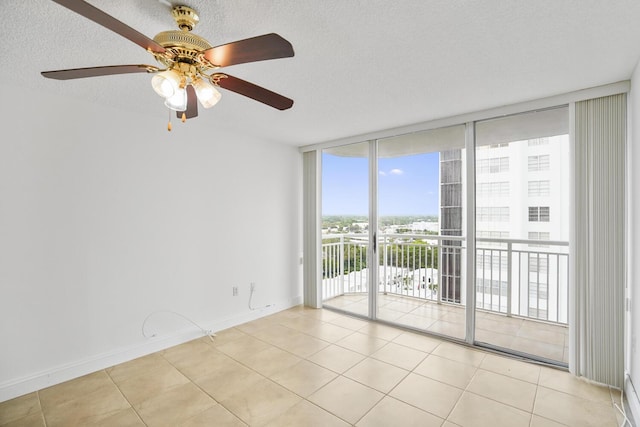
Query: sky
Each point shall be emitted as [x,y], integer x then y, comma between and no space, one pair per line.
[406,185]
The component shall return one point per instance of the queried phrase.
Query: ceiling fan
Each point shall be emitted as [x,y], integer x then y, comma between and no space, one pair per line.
[189,63]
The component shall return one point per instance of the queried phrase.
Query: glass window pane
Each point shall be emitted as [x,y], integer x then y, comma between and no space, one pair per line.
[421,200]
[544,213]
[514,201]
[345,227]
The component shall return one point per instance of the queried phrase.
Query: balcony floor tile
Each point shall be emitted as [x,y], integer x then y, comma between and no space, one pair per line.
[541,339]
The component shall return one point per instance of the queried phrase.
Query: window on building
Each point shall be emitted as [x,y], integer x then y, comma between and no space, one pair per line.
[539,235]
[538,263]
[491,260]
[539,163]
[493,165]
[538,188]
[488,147]
[538,296]
[493,189]
[538,290]
[491,287]
[538,141]
[539,313]
[539,213]
[493,214]
[493,234]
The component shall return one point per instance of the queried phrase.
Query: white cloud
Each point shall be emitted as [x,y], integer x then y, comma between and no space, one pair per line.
[391,172]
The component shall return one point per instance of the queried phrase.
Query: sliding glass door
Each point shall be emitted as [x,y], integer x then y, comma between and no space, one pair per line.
[522,233]
[394,230]
[421,231]
[345,228]
[395,241]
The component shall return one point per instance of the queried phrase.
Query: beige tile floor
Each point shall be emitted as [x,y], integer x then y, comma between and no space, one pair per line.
[546,340]
[307,367]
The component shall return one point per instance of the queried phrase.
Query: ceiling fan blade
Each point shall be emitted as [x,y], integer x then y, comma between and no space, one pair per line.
[252,91]
[96,15]
[78,73]
[192,104]
[260,48]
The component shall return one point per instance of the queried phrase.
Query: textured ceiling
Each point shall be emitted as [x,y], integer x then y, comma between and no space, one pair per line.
[360,65]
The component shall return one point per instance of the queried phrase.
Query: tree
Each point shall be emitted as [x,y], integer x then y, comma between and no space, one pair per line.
[415,255]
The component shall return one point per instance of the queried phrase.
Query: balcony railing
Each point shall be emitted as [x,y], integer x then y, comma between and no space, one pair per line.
[525,278]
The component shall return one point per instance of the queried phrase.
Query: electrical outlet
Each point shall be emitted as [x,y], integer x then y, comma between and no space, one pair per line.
[235,291]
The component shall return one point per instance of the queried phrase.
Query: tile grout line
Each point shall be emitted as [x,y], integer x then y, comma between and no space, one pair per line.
[345,377]
[533,408]
[44,418]
[462,394]
[323,386]
[327,411]
[412,371]
[201,389]
[125,397]
[350,379]
[370,409]
[268,378]
[204,391]
[531,413]
[408,403]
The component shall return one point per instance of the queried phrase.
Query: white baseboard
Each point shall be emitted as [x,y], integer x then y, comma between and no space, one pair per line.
[59,374]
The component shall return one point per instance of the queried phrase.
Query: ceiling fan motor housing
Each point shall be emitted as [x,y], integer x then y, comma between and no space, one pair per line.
[182,46]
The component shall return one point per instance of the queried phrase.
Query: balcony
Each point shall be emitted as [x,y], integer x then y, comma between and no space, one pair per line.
[521,287]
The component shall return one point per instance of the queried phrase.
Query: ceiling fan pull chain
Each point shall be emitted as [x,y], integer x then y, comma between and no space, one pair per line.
[184,117]
[169,125]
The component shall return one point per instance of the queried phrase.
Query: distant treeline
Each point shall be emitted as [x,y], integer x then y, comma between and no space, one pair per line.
[419,254]
[342,221]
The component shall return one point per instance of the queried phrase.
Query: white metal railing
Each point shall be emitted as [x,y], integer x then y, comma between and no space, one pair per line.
[526,278]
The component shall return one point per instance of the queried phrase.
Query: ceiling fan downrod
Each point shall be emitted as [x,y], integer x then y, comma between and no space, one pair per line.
[185,17]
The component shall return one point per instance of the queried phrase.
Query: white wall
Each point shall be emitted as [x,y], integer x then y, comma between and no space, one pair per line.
[105,217]
[633,236]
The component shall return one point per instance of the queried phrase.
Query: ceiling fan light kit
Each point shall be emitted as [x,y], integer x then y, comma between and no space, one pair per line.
[177,101]
[207,94]
[166,83]
[190,62]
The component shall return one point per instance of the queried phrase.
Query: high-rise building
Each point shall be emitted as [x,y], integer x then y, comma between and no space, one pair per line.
[451,223]
[522,189]
[522,193]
